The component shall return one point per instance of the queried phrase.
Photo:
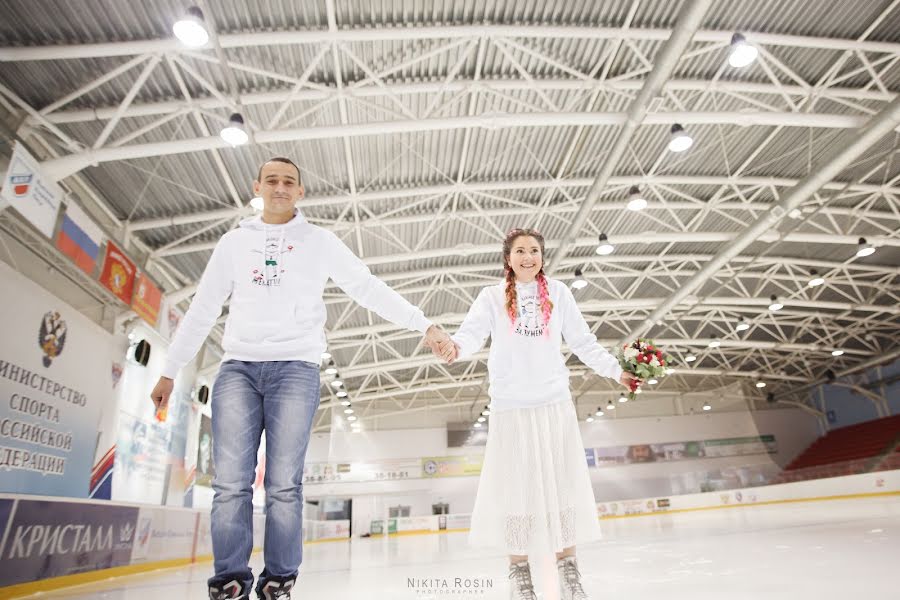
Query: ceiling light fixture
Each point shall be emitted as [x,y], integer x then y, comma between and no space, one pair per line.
[636,201]
[190,29]
[605,248]
[679,140]
[235,133]
[742,53]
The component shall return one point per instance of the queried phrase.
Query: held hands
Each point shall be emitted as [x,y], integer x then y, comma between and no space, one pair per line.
[441,345]
[448,351]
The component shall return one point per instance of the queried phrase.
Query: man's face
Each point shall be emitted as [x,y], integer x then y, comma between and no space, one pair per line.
[279,188]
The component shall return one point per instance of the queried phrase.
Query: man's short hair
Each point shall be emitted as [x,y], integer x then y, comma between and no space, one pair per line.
[280,159]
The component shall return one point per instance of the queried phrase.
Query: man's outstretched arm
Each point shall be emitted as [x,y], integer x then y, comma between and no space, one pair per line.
[354,277]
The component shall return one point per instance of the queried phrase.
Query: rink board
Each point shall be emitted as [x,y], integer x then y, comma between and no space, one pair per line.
[41,536]
[47,543]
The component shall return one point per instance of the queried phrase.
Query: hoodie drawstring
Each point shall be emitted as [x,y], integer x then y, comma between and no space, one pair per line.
[274,262]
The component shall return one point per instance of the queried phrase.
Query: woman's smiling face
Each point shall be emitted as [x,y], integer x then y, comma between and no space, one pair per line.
[525,258]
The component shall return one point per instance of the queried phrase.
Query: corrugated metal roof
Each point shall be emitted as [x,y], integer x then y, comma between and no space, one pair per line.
[432,202]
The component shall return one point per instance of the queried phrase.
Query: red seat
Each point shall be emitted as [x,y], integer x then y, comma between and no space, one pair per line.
[853,443]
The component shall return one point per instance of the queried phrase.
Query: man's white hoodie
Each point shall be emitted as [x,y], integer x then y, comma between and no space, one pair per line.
[276,275]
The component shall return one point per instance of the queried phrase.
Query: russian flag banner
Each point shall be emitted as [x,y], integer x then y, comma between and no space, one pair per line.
[80,239]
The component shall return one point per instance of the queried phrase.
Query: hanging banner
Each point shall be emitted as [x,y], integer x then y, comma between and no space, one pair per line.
[118,273]
[54,377]
[33,194]
[147,298]
[79,238]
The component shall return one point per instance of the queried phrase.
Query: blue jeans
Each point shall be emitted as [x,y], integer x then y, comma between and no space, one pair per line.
[280,397]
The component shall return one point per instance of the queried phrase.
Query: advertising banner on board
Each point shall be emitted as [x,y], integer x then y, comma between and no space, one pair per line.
[51,539]
[163,534]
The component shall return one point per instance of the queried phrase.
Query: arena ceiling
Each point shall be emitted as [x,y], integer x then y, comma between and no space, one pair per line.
[425,130]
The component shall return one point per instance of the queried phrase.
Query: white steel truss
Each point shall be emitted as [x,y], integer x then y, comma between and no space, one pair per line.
[432,231]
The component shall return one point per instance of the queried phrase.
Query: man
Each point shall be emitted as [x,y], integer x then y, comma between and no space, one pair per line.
[275,267]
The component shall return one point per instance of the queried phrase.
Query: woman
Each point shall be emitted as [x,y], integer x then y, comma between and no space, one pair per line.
[535,493]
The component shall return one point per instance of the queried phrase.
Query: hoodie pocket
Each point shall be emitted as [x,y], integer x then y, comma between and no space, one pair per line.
[263,321]
[310,315]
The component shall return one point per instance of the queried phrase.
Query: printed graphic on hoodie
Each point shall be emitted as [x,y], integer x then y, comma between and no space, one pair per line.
[294,283]
[270,272]
[530,322]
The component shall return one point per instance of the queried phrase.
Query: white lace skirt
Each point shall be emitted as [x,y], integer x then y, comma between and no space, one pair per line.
[535,494]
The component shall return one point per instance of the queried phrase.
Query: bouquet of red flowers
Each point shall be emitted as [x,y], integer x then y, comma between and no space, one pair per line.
[644,360]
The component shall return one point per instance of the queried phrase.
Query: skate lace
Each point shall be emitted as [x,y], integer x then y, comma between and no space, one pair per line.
[522,577]
[229,591]
[274,591]
[572,578]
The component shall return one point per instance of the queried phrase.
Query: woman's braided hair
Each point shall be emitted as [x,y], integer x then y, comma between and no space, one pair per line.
[543,289]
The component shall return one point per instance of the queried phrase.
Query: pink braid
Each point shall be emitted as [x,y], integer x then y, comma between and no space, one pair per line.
[512,308]
[546,303]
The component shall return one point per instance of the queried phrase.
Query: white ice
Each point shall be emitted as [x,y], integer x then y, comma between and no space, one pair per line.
[834,549]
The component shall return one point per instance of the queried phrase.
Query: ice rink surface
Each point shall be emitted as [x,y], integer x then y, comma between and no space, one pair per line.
[835,549]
